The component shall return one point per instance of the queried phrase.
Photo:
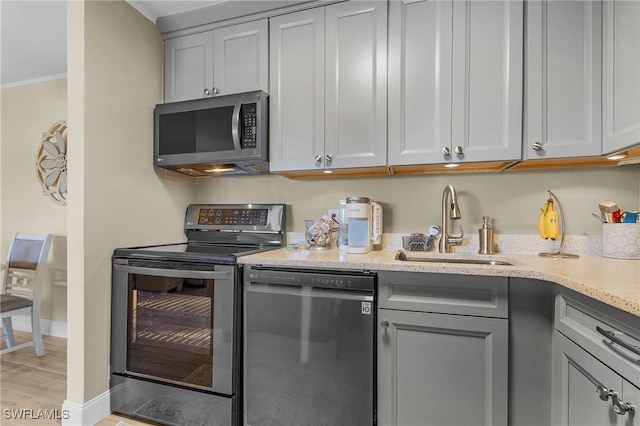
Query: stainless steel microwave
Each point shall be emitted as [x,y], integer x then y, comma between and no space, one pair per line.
[224,135]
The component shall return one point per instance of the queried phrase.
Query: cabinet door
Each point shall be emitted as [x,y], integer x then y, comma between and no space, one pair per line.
[297,91]
[487,80]
[621,74]
[356,84]
[420,49]
[563,92]
[576,377]
[437,369]
[188,66]
[631,395]
[241,61]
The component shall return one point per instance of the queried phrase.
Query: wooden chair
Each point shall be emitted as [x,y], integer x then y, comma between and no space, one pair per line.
[21,287]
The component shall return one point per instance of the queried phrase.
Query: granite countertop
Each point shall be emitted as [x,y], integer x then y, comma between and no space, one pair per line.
[615,282]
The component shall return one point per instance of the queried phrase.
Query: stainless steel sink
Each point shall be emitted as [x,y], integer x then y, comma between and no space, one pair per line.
[403,257]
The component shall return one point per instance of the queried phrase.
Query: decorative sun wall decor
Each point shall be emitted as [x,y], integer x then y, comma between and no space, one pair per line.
[51,163]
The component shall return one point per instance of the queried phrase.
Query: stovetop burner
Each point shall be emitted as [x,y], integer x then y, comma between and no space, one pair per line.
[192,252]
[219,233]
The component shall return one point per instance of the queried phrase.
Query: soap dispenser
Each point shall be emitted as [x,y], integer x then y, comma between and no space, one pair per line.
[486,237]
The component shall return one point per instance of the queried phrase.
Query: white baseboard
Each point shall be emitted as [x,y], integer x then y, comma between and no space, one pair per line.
[48,327]
[89,413]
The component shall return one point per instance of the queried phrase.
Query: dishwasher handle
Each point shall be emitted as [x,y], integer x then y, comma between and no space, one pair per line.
[313,292]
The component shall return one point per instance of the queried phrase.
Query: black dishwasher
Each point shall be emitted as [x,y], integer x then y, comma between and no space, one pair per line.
[309,347]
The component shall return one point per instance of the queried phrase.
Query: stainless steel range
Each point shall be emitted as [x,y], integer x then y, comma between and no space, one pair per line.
[176,312]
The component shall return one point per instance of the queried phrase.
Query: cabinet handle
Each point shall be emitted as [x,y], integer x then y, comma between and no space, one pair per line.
[211,92]
[537,146]
[207,92]
[611,336]
[384,323]
[318,158]
[328,158]
[459,150]
[216,91]
[620,407]
[602,392]
[446,150]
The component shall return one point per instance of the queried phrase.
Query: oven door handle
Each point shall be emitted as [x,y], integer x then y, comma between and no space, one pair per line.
[174,273]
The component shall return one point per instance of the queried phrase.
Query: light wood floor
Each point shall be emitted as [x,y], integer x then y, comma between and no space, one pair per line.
[29,384]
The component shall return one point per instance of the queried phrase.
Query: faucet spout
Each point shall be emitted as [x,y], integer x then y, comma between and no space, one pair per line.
[450,211]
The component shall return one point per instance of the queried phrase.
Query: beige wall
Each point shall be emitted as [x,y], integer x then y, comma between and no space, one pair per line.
[27,112]
[115,197]
[413,203]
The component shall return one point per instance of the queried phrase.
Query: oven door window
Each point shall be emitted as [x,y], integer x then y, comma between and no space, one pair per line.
[170,330]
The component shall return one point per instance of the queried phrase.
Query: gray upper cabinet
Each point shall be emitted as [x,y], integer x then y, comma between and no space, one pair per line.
[328,87]
[296,104]
[563,86]
[241,58]
[223,61]
[188,66]
[356,84]
[621,74]
[455,81]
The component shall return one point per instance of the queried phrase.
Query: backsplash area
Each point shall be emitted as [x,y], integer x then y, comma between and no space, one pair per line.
[505,244]
[413,203]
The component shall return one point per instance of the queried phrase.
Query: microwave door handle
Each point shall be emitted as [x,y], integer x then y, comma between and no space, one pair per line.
[235,126]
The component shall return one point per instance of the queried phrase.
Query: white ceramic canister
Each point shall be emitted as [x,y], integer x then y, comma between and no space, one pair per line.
[360,225]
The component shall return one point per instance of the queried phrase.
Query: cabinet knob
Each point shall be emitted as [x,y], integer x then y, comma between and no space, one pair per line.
[446,150]
[211,92]
[459,150]
[537,146]
[384,323]
[328,158]
[318,158]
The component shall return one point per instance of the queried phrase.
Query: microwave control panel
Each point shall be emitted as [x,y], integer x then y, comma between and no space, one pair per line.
[249,127]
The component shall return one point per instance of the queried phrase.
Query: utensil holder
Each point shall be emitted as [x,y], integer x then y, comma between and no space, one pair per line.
[621,240]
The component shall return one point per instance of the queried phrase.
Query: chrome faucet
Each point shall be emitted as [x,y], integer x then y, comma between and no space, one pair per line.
[450,210]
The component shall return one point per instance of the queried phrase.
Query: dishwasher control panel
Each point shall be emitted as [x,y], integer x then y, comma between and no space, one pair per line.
[363,281]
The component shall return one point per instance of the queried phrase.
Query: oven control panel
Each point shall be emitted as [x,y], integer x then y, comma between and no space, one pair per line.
[235,217]
[223,216]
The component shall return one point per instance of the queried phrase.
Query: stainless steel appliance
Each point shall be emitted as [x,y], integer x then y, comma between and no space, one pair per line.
[176,312]
[223,135]
[309,347]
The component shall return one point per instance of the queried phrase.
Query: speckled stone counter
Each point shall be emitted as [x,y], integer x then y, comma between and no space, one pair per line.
[615,282]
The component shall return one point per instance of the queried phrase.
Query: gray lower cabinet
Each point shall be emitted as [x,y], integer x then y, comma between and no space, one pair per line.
[439,368]
[577,376]
[596,370]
